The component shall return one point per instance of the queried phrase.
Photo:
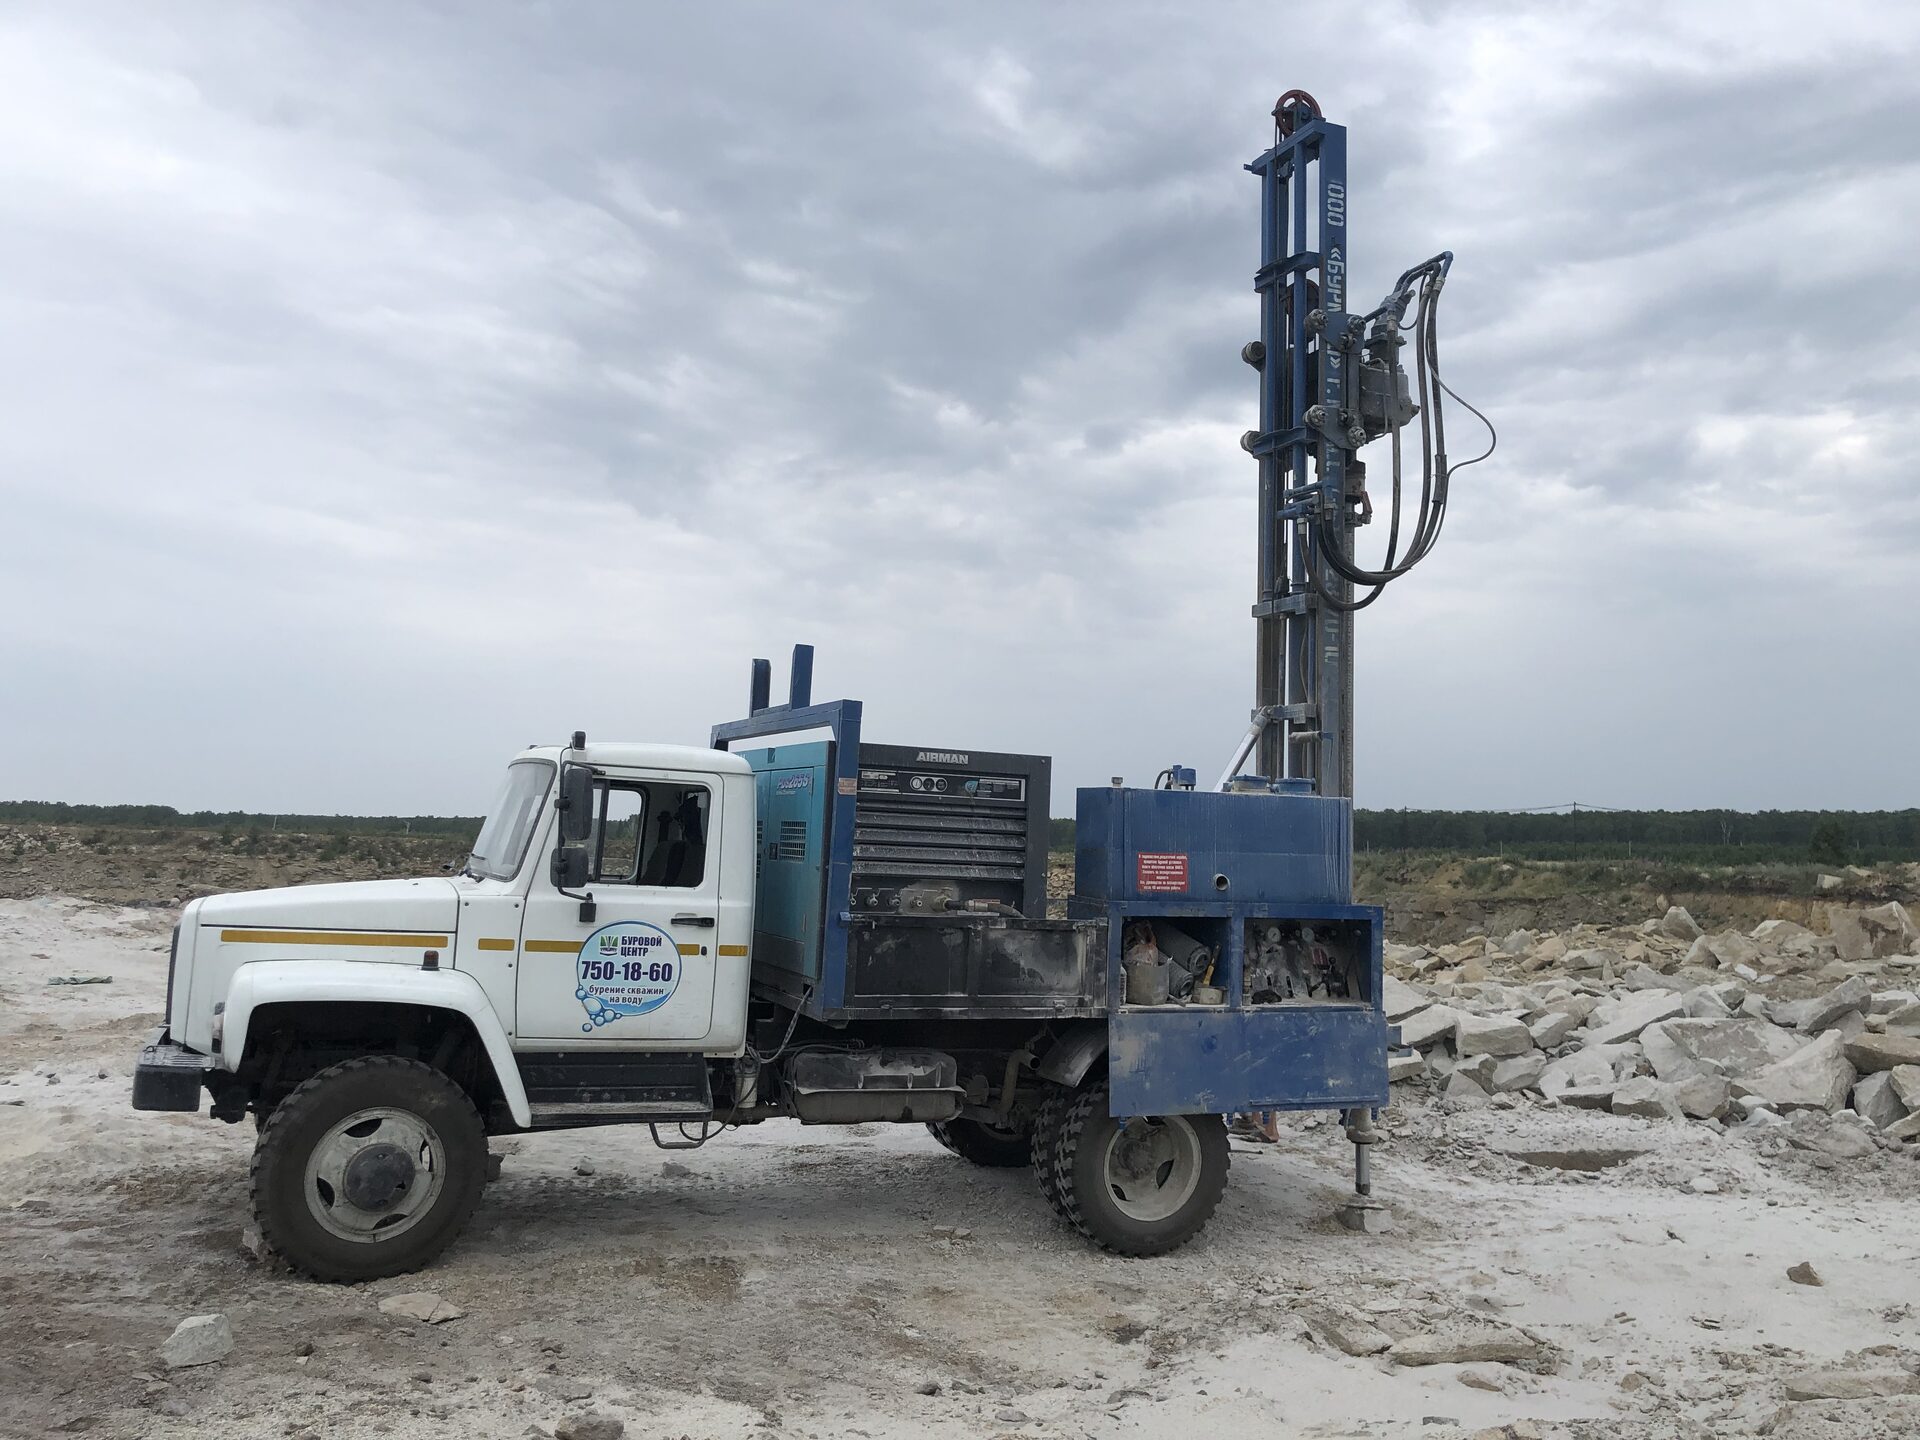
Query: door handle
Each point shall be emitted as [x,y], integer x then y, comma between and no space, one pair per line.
[704,921]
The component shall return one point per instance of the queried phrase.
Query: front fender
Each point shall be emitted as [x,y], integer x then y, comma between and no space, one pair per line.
[348,982]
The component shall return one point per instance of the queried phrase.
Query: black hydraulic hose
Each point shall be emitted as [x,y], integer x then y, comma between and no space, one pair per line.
[1435,472]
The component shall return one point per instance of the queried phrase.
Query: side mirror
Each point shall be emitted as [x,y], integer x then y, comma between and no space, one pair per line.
[575,804]
[569,867]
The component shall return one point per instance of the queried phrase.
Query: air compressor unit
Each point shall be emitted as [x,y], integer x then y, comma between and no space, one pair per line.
[943,829]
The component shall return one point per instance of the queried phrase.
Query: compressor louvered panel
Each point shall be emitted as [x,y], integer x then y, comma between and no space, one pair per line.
[975,820]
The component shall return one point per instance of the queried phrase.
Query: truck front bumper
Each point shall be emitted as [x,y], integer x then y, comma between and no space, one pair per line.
[168,1076]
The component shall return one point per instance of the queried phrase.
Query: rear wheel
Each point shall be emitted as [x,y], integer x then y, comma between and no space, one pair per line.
[997,1147]
[370,1168]
[1143,1185]
[1042,1144]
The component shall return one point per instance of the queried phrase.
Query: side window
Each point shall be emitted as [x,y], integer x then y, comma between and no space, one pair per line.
[674,851]
[619,815]
[651,833]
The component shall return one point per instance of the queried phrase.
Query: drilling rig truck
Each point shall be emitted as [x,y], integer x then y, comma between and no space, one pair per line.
[794,922]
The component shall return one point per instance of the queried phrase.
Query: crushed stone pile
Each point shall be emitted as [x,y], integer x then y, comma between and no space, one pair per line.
[1814,1034]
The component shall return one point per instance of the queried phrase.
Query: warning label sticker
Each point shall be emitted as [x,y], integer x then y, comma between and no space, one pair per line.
[1160,874]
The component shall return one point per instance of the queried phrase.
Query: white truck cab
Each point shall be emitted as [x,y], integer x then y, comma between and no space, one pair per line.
[603,918]
[657,959]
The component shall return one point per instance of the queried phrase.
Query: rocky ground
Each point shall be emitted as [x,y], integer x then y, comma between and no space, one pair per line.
[1555,1268]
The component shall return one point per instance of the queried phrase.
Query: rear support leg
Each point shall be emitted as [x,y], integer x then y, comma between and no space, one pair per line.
[1363,1212]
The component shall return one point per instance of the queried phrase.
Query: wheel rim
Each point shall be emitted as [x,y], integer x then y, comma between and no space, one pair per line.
[375,1175]
[1152,1166]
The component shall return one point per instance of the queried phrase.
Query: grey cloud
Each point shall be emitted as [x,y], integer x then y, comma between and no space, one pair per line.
[393,385]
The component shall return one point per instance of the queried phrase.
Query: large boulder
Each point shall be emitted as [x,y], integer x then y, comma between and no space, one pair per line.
[1627,1017]
[1817,1077]
[1832,1135]
[1548,952]
[1552,1028]
[1479,1069]
[1905,1081]
[1679,1049]
[1523,1072]
[1400,999]
[1730,948]
[1497,1035]
[1882,1052]
[1780,935]
[1706,1004]
[1467,1341]
[1595,958]
[1877,1102]
[1851,997]
[1904,1021]
[1851,1384]
[1647,1097]
[1677,924]
[1429,1026]
[1704,1097]
[1868,934]
[1590,1068]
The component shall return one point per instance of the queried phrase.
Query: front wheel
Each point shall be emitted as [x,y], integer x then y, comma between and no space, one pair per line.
[370,1168]
[1143,1185]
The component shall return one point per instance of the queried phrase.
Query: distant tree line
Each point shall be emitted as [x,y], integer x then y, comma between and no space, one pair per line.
[165,817]
[1825,836]
[1828,837]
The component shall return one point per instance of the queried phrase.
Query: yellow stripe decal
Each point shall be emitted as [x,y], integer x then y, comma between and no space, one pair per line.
[328,937]
[690,949]
[733,949]
[490,943]
[551,947]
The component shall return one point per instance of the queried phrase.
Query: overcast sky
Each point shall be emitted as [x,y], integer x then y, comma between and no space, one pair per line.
[389,386]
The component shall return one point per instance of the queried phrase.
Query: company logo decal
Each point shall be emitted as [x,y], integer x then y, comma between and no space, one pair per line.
[629,968]
[941,757]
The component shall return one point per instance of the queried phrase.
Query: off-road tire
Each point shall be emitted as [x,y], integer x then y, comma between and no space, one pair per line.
[1043,1142]
[1086,1199]
[971,1140]
[299,1123]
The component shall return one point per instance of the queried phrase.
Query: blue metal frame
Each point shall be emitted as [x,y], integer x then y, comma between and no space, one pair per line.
[1170,1060]
[842,718]
[1245,857]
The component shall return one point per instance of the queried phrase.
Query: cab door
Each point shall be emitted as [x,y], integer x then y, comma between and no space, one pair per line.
[639,974]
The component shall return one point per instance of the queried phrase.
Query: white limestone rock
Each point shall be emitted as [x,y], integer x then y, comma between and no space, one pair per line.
[1819,1076]
[1496,1035]
[1627,1017]
[198,1340]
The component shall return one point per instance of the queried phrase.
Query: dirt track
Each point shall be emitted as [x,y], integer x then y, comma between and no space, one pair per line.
[812,1283]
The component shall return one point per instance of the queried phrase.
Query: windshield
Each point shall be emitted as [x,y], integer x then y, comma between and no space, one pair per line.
[509,825]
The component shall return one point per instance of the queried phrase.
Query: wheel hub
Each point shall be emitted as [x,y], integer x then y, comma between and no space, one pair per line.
[378,1177]
[1153,1166]
[376,1174]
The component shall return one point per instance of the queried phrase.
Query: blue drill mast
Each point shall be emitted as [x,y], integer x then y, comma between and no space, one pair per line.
[1330,382]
